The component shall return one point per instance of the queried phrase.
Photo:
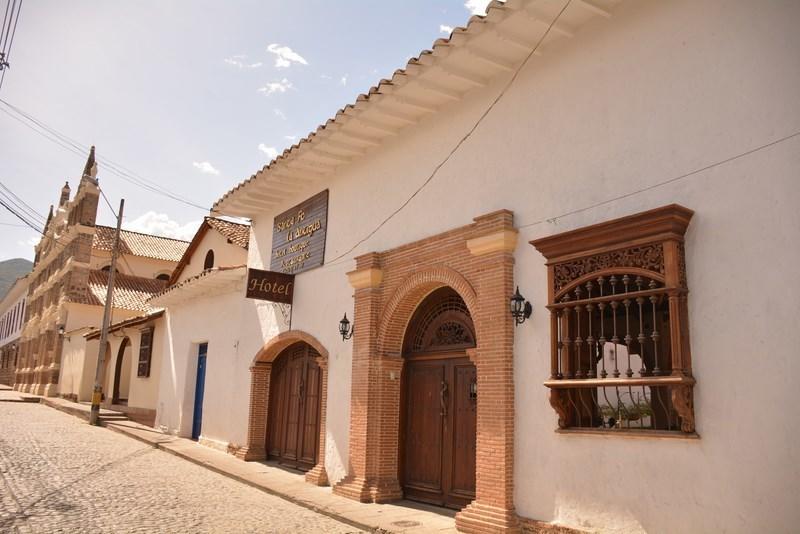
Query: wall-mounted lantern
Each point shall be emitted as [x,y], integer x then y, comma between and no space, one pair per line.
[521,309]
[345,329]
[473,390]
[61,330]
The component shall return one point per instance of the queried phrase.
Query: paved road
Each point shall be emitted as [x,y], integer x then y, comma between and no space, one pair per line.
[58,474]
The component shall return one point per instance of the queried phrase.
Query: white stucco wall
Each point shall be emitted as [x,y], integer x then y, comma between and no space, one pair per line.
[79,358]
[215,320]
[658,91]
[225,254]
[133,265]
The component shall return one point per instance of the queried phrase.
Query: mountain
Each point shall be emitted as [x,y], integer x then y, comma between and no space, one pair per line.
[10,270]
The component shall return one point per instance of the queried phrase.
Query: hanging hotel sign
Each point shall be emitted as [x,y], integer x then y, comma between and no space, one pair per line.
[298,236]
[269,285]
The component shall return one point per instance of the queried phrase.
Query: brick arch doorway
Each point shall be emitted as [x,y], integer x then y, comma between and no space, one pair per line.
[261,383]
[438,421]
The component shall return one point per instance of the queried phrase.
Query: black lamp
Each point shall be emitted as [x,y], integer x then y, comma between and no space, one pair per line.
[61,330]
[521,309]
[345,329]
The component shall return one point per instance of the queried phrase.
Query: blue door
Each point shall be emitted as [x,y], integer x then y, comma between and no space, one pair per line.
[199,387]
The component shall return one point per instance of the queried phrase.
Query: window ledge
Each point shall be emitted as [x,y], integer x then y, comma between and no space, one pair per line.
[632,433]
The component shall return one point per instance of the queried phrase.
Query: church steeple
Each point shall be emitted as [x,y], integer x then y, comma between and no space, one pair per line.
[65,191]
[90,169]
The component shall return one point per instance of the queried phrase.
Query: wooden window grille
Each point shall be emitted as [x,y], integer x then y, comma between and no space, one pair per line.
[145,352]
[618,301]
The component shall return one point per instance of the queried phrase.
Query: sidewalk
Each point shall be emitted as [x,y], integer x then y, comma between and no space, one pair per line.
[404,516]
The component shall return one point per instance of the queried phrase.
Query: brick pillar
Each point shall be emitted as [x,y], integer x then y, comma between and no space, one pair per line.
[493,507]
[318,474]
[256,447]
[370,478]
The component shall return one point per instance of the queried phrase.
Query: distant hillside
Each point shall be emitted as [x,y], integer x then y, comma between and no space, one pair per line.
[10,270]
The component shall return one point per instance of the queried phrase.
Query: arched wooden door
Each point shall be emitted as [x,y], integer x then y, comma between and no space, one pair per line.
[439,419]
[294,407]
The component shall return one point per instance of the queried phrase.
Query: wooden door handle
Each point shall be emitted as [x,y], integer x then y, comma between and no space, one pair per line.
[442,394]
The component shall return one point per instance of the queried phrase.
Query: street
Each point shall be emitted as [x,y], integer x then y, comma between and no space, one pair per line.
[58,474]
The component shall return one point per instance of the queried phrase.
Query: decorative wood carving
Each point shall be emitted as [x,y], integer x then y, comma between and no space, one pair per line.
[558,400]
[648,257]
[683,402]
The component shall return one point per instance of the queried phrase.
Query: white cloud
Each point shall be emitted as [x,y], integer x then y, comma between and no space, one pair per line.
[276,87]
[290,137]
[160,224]
[270,151]
[285,56]
[30,242]
[447,30]
[279,113]
[476,7]
[205,167]
[325,77]
[343,80]
[238,61]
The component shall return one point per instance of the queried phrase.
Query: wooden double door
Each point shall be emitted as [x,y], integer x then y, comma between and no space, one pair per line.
[439,429]
[294,408]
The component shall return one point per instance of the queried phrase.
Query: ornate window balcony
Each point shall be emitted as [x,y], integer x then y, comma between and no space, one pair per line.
[617,295]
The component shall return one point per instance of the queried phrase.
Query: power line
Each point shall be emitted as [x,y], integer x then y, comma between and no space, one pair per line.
[460,141]
[6,42]
[665,182]
[77,148]
[21,204]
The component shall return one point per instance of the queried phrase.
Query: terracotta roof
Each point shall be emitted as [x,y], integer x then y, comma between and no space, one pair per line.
[130,292]
[94,333]
[137,244]
[237,234]
[472,56]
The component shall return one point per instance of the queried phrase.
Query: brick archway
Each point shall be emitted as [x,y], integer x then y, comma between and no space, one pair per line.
[260,373]
[409,294]
[477,262]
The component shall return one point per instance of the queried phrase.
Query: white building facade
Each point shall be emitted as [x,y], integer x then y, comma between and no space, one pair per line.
[12,319]
[666,138]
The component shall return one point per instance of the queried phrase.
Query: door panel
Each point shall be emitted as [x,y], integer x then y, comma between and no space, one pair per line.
[439,431]
[294,403]
[423,435]
[199,390]
[311,405]
[464,427]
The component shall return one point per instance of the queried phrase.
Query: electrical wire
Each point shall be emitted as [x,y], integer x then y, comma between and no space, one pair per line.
[665,182]
[77,148]
[461,141]
[21,204]
[5,50]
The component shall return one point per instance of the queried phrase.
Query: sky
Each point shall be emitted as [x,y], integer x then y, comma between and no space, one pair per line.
[193,95]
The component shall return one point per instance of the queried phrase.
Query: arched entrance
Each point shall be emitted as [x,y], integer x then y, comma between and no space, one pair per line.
[122,373]
[439,403]
[294,407]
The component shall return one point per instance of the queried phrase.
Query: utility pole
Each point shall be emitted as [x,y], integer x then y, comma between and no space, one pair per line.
[97,393]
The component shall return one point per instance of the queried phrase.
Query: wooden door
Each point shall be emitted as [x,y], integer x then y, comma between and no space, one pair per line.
[438,460]
[294,405]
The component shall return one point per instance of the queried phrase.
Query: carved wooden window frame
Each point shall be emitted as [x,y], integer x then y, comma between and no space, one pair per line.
[645,246]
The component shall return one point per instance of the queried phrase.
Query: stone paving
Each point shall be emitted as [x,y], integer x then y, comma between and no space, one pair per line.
[58,474]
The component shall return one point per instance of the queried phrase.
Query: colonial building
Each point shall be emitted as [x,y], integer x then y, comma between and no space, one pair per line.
[68,290]
[200,367]
[550,235]
[12,315]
